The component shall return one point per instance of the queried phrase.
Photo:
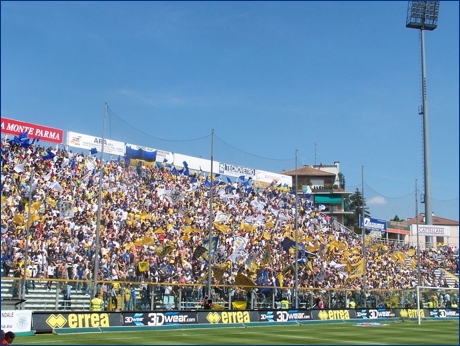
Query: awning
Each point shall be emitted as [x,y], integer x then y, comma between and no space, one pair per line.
[328,199]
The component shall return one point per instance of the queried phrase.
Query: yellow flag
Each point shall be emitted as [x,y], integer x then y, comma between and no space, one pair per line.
[159,231]
[269,224]
[148,241]
[188,229]
[18,219]
[267,236]
[220,227]
[413,264]
[143,266]
[239,305]
[280,279]
[356,270]
[411,252]
[36,205]
[243,280]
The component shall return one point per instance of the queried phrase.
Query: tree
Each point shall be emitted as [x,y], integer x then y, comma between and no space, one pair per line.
[354,203]
[396,218]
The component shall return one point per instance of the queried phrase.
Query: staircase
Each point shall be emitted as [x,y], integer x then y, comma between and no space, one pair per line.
[452,280]
[40,299]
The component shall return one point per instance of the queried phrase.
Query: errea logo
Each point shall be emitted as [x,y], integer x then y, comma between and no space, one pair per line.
[213,317]
[58,321]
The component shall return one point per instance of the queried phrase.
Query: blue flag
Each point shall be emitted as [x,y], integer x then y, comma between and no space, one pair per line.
[287,243]
[48,156]
[93,151]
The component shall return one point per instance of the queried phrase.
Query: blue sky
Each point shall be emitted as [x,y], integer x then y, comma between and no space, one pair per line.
[336,81]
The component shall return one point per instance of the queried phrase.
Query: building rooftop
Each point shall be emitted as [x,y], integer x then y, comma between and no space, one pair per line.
[437,220]
[308,171]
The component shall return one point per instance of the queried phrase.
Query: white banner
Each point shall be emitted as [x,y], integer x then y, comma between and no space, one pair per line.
[82,141]
[16,320]
[431,231]
[269,177]
[236,171]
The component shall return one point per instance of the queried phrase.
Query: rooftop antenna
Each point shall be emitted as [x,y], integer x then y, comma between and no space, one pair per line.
[315,153]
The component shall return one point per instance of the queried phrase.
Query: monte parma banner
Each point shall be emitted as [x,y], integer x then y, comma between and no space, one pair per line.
[44,133]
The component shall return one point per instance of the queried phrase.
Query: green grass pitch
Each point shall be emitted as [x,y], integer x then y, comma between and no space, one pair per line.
[391,333]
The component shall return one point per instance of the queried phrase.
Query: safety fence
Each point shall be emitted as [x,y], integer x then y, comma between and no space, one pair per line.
[133,296]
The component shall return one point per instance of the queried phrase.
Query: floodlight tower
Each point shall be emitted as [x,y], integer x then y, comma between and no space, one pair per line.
[423,15]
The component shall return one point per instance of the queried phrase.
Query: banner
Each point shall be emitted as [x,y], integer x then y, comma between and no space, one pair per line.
[16,320]
[373,224]
[227,317]
[284,315]
[46,322]
[332,315]
[44,133]
[428,230]
[236,171]
[443,313]
[375,313]
[159,318]
[82,141]
[411,313]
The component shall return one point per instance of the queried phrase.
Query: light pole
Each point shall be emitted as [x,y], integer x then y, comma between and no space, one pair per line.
[210,220]
[419,277]
[26,252]
[423,15]
[363,237]
[99,206]
[296,282]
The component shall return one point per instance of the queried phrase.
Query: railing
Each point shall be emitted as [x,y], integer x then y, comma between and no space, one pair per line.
[224,296]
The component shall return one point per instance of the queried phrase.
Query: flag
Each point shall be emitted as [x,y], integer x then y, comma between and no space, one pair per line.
[19,168]
[66,210]
[56,186]
[214,243]
[200,253]
[262,280]
[266,255]
[93,151]
[239,305]
[143,266]
[166,270]
[49,156]
[287,243]
[186,170]
[18,219]
[243,280]
[356,270]
[163,250]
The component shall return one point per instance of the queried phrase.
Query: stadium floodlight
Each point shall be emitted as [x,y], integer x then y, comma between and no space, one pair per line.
[423,15]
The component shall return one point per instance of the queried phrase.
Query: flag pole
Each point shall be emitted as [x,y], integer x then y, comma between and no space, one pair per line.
[210,217]
[296,282]
[99,205]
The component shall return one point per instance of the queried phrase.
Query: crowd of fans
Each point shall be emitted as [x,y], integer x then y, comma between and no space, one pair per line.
[153,219]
